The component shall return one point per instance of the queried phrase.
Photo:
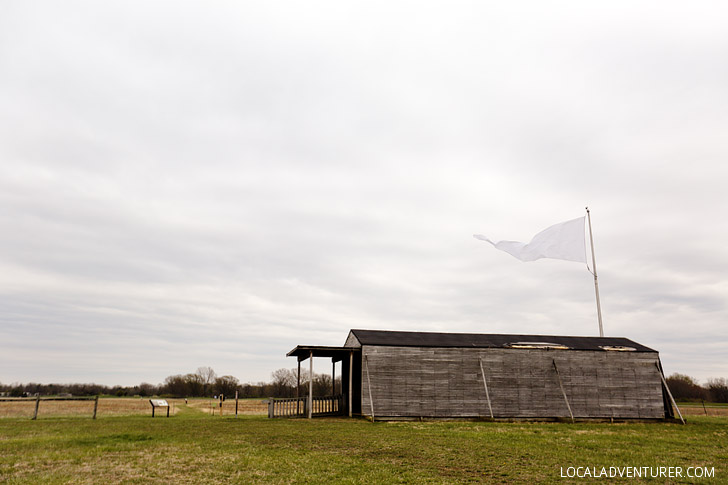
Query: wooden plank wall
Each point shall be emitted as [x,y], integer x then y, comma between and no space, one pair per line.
[447,382]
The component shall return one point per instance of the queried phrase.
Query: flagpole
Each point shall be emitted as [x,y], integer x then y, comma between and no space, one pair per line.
[596,282]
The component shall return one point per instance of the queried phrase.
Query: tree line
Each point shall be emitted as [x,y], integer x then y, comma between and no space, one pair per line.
[686,388]
[204,382]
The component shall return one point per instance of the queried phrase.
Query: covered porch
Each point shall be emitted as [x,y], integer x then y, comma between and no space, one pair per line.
[347,402]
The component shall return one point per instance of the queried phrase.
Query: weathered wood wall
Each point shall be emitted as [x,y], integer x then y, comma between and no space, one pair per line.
[447,382]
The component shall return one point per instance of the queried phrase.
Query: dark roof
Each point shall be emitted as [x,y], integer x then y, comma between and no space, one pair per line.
[302,352]
[489,340]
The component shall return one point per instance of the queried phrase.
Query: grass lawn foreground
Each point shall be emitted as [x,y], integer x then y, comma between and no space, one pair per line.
[192,447]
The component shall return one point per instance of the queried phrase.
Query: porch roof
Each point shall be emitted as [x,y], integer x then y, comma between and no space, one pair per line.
[303,352]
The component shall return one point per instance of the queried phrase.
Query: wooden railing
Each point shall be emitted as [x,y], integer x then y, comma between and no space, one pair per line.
[286,407]
[298,406]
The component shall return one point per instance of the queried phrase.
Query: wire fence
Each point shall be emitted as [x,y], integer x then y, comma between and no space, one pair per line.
[88,406]
[703,409]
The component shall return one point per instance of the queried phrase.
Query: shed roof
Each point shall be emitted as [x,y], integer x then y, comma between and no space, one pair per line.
[490,340]
[303,352]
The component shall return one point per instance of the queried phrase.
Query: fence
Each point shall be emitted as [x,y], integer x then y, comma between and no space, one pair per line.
[298,406]
[38,400]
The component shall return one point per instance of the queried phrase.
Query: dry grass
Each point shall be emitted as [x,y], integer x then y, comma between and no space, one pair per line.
[127,406]
[698,410]
[245,406]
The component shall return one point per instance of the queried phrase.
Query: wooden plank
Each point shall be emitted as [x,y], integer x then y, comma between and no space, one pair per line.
[369,386]
[412,381]
[561,385]
[310,386]
[664,382]
[485,385]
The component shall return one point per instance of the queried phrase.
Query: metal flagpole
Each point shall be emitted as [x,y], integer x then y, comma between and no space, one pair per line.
[596,282]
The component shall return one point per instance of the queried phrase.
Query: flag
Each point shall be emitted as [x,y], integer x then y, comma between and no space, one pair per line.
[560,241]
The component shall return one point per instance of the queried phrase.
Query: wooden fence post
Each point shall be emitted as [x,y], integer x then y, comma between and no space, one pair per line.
[96,405]
[37,403]
[236,404]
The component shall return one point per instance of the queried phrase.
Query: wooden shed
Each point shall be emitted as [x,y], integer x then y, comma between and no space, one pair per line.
[410,375]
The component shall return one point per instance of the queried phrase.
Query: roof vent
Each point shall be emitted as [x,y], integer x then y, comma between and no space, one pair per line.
[536,345]
[617,348]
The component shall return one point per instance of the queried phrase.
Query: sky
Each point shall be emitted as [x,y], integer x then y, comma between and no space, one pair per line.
[188,184]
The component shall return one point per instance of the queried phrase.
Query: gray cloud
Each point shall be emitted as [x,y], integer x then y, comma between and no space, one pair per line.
[183,186]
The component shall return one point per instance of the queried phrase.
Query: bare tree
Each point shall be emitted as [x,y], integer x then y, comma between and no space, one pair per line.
[207,374]
[207,377]
[284,382]
[321,385]
[718,389]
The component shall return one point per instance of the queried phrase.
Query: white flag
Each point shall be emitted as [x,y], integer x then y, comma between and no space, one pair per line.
[560,241]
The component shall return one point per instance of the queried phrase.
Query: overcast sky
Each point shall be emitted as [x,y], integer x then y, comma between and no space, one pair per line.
[212,183]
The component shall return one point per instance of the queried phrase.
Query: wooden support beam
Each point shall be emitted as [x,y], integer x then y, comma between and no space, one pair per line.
[310,386]
[369,386]
[485,384]
[351,376]
[333,377]
[664,383]
[561,385]
[298,389]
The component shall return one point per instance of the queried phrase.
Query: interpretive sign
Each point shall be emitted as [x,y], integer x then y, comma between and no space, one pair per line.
[159,403]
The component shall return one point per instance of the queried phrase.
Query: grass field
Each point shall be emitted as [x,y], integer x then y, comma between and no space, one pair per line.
[194,447]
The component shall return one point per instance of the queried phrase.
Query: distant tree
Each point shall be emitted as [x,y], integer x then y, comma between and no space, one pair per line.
[146,389]
[321,385]
[261,389]
[283,383]
[686,388]
[195,385]
[207,377]
[718,389]
[226,385]
[176,386]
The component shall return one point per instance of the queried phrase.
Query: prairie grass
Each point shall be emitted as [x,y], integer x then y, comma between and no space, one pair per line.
[194,447]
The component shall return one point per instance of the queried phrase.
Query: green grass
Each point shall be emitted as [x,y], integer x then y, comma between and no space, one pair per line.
[194,448]
[707,404]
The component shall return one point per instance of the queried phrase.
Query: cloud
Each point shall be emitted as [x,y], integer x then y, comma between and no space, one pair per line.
[183,186]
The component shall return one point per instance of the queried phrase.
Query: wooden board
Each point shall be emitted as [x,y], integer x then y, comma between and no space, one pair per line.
[447,382]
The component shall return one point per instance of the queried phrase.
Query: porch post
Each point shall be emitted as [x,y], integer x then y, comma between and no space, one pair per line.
[298,388]
[333,377]
[351,375]
[310,385]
